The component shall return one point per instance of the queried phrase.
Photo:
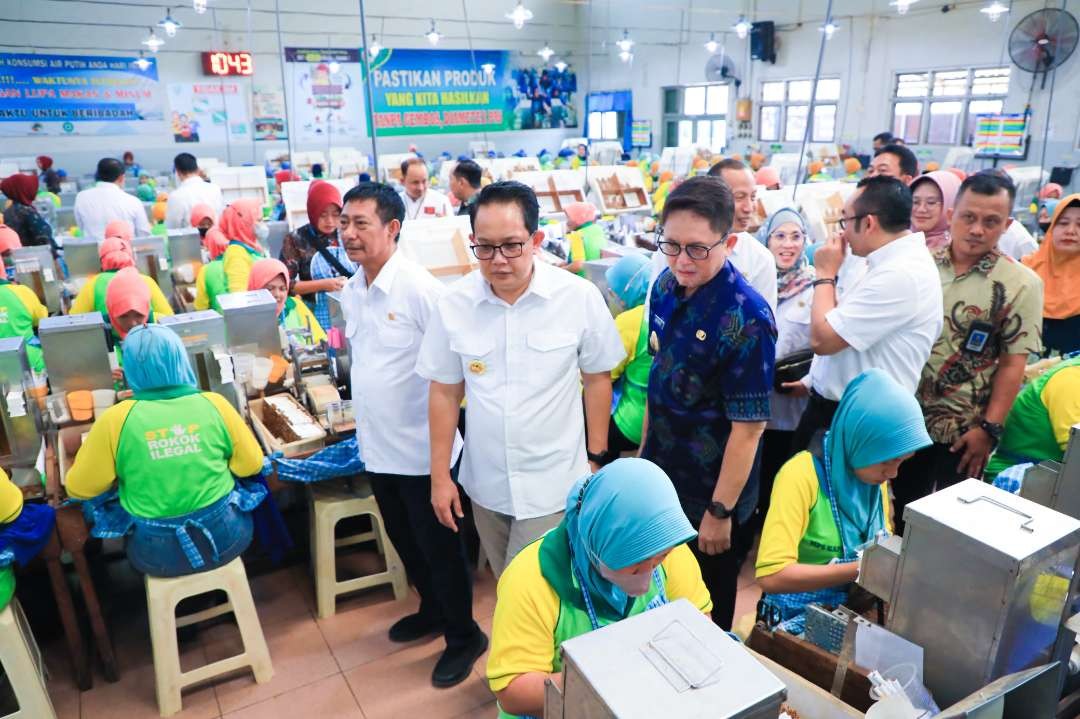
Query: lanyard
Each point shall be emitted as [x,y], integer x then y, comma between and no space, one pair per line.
[827,486]
[658,600]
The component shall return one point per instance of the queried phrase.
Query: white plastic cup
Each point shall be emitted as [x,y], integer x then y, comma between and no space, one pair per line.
[907,676]
[260,372]
[103,399]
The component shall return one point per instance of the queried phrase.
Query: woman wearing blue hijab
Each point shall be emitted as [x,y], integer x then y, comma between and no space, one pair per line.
[825,508]
[628,285]
[172,452]
[619,551]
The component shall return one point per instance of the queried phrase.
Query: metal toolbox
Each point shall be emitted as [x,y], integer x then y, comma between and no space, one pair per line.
[82,257]
[20,421]
[36,269]
[671,661]
[203,335]
[152,260]
[983,584]
[251,323]
[76,352]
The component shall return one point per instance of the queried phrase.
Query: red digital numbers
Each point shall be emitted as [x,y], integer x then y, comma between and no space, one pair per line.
[224,63]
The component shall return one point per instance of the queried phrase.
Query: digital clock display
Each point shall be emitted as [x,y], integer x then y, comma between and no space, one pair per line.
[225,62]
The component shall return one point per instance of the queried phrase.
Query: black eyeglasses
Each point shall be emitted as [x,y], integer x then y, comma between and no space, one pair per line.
[509,250]
[844,220]
[674,249]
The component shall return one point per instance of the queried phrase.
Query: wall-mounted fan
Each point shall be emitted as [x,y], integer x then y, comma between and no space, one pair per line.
[1043,41]
[721,68]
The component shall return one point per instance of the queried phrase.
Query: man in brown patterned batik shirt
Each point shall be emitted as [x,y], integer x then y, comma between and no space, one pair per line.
[993,307]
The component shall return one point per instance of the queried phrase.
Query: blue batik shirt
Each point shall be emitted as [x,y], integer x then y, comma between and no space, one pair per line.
[714,356]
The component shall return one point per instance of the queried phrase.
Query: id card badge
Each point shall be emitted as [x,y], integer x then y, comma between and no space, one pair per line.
[977,337]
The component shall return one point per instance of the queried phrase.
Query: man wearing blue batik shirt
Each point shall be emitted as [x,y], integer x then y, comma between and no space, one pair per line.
[714,341]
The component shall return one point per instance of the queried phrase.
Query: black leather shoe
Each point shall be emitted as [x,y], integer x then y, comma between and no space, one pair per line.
[413,627]
[455,665]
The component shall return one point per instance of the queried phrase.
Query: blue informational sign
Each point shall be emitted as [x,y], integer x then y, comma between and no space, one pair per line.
[447,91]
[78,95]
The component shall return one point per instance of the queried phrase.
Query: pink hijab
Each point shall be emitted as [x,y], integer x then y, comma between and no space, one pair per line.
[948,185]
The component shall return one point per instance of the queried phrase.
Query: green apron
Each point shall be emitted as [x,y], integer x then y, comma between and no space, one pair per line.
[594,239]
[630,412]
[172,457]
[16,321]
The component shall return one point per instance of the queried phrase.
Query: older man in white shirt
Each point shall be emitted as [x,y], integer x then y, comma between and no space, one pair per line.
[97,206]
[421,202]
[889,318]
[193,190]
[388,306]
[517,340]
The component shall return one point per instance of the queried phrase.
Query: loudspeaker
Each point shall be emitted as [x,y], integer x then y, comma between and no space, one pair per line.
[763,41]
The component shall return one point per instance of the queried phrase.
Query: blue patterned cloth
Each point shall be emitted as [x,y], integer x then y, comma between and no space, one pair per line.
[337,460]
[715,353]
[1011,479]
[790,609]
[323,270]
[24,537]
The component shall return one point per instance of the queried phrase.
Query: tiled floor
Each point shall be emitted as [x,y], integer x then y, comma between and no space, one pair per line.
[343,667]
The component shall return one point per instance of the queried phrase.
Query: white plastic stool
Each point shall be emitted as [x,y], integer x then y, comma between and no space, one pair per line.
[162,596]
[22,664]
[330,503]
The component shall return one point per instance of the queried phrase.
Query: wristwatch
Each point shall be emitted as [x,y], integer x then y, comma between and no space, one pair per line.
[718,510]
[993,429]
[595,456]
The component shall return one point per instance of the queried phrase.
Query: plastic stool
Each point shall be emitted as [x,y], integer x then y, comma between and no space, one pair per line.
[330,503]
[162,596]
[22,664]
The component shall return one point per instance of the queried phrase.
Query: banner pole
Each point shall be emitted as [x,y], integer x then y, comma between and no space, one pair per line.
[364,56]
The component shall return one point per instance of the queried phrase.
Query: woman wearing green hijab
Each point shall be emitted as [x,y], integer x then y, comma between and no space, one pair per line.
[825,508]
[619,551]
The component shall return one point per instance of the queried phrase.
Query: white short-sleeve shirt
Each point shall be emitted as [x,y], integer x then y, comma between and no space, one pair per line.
[97,206]
[890,317]
[1016,241]
[431,204]
[192,191]
[521,365]
[384,324]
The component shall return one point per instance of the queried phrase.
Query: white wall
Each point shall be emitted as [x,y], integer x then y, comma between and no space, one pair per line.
[50,26]
[865,53]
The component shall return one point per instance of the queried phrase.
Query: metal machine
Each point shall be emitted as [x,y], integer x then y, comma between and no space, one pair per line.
[185,246]
[152,260]
[20,421]
[82,258]
[76,352]
[671,661]
[36,269]
[1057,484]
[251,323]
[983,581]
[340,360]
[203,334]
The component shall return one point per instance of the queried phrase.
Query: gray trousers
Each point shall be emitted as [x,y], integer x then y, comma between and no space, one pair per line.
[502,536]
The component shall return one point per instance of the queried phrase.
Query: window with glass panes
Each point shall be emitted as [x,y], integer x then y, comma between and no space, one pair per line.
[784,110]
[939,107]
[696,115]
[605,125]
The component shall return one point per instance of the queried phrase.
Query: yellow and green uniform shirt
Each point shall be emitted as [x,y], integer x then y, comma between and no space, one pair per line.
[20,312]
[11,503]
[532,618]
[586,243]
[91,297]
[172,453]
[298,316]
[800,528]
[210,283]
[237,260]
[629,413]
[1041,418]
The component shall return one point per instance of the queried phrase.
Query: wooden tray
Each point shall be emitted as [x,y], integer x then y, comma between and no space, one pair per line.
[271,443]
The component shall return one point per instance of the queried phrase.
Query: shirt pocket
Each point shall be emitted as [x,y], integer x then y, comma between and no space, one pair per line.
[396,337]
[477,359]
[552,355]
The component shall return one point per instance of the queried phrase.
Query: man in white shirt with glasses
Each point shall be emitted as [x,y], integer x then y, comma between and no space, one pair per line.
[517,339]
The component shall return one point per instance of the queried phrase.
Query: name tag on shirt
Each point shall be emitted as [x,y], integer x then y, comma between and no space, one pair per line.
[429,210]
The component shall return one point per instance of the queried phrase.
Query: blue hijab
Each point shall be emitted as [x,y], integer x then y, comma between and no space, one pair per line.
[877,421]
[624,514]
[155,358]
[628,279]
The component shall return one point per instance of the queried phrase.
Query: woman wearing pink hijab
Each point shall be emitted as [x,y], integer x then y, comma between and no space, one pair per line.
[933,195]
[116,254]
[272,275]
[242,223]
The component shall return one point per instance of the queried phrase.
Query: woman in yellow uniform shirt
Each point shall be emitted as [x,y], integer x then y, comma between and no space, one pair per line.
[115,253]
[619,551]
[172,452]
[20,308]
[293,314]
[824,509]
[242,224]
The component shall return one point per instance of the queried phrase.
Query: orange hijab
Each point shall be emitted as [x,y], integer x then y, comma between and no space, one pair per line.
[239,219]
[126,292]
[264,270]
[1060,274]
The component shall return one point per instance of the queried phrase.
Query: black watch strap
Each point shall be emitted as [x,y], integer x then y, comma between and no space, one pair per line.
[993,429]
[594,457]
[718,510]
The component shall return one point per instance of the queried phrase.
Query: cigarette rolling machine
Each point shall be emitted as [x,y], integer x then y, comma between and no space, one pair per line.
[82,258]
[152,260]
[251,323]
[76,352]
[36,269]
[20,421]
[203,335]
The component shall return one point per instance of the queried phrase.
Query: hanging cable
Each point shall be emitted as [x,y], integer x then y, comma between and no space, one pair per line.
[813,101]
[370,94]
[1049,108]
